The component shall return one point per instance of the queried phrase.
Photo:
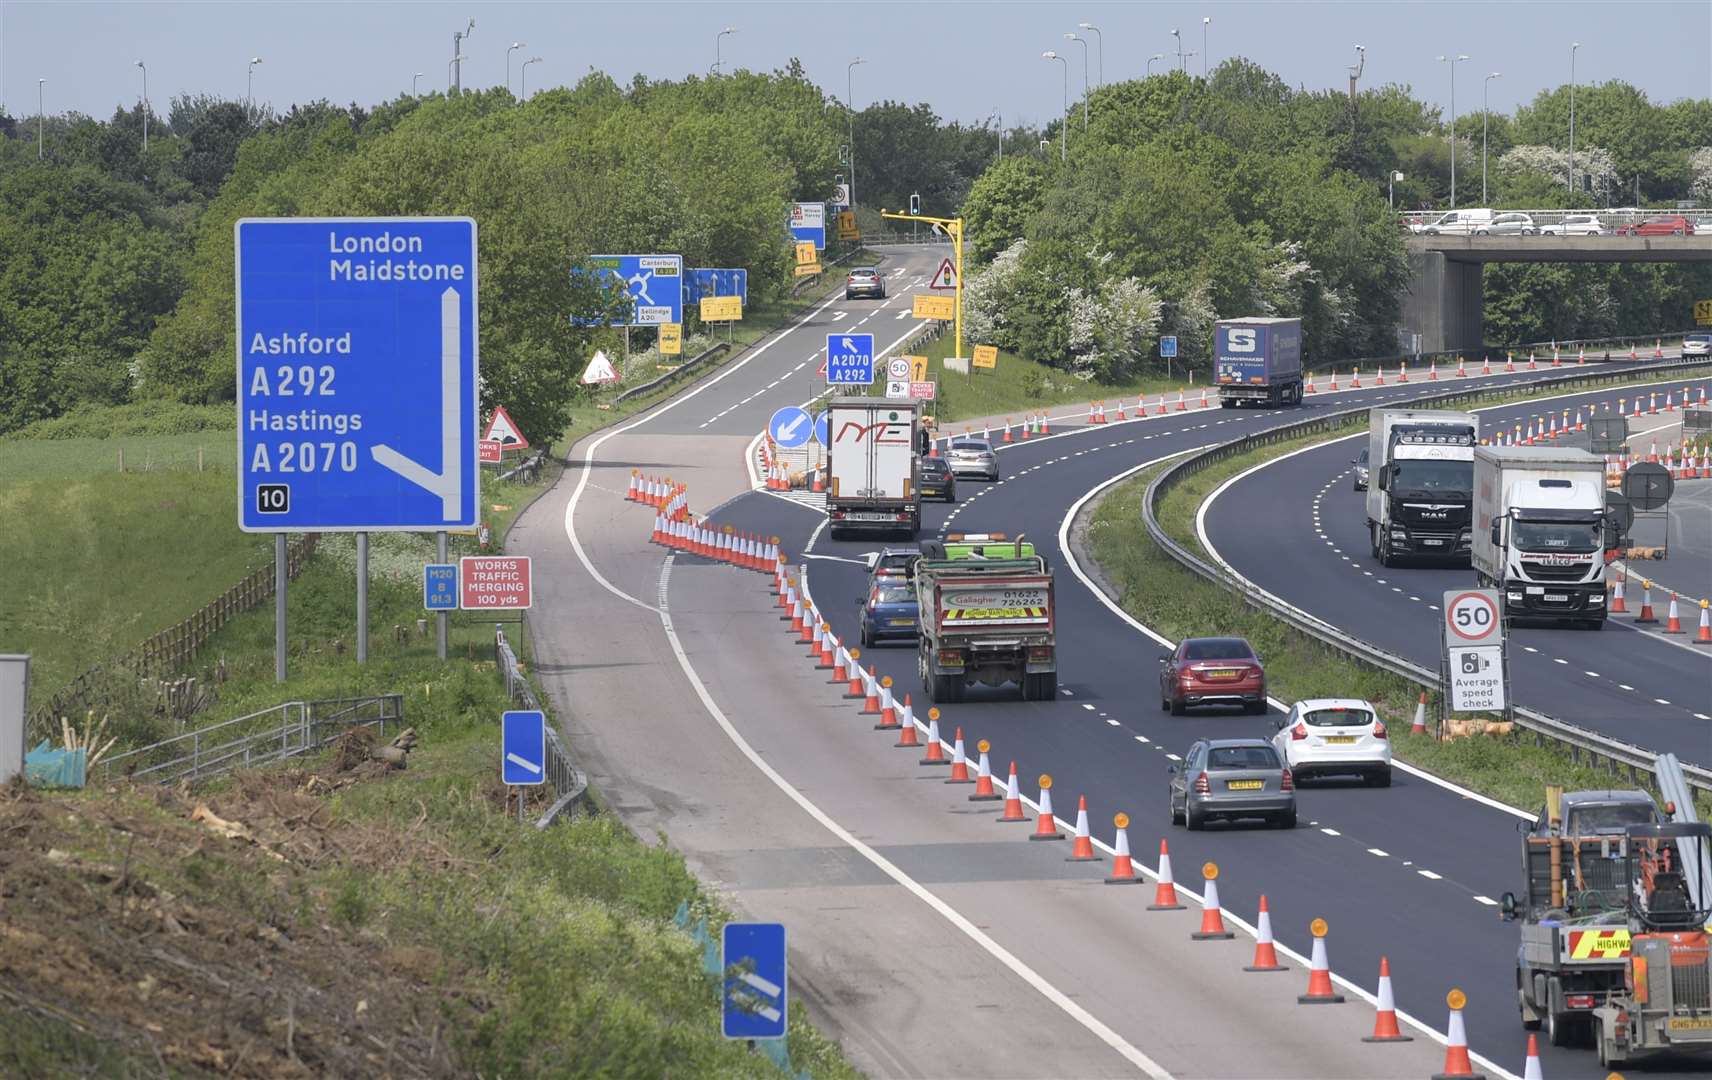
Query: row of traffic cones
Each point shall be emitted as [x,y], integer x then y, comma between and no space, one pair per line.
[653,491]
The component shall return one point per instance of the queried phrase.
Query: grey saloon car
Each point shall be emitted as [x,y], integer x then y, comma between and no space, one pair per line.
[1231,779]
[972,457]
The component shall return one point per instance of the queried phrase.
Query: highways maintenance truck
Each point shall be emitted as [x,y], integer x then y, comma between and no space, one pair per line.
[986,614]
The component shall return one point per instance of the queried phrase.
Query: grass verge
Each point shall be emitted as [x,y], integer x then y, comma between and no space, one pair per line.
[1017,386]
[1155,589]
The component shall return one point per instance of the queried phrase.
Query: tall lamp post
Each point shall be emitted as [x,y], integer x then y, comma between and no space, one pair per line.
[1150,60]
[145,70]
[1177,47]
[1084,44]
[41,120]
[999,119]
[1485,118]
[1100,52]
[456,83]
[509,49]
[1064,120]
[250,82]
[1206,21]
[523,76]
[1453,61]
[1574,45]
[850,107]
[414,79]
[718,58]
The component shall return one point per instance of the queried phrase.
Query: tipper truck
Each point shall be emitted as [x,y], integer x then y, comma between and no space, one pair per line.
[1540,532]
[872,484]
[1258,361]
[986,611]
[1421,483]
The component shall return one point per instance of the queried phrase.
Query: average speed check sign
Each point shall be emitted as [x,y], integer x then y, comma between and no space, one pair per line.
[1474,651]
[1471,618]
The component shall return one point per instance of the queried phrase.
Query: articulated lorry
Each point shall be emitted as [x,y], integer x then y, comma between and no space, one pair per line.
[872,484]
[1421,483]
[1258,361]
[1540,532]
[986,616]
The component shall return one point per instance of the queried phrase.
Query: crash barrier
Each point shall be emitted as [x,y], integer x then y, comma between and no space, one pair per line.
[1581,744]
[569,783]
[283,731]
[688,365]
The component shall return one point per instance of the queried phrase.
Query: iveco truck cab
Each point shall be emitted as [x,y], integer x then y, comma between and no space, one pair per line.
[1540,532]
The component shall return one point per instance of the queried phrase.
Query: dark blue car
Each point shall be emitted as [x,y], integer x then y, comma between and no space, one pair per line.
[889,613]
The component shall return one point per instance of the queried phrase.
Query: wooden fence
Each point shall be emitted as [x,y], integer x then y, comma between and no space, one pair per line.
[175,647]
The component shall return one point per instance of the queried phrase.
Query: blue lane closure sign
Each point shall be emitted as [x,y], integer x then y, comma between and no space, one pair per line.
[357,374]
[1168,345]
[702,282]
[791,427]
[850,358]
[823,428]
[754,1005]
[440,586]
[523,747]
[655,284]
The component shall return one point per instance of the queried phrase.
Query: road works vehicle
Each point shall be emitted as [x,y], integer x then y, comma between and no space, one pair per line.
[1540,532]
[1421,483]
[1258,361]
[1575,935]
[871,466]
[986,611]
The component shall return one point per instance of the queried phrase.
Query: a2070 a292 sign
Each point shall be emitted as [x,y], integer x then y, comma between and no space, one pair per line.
[358,371]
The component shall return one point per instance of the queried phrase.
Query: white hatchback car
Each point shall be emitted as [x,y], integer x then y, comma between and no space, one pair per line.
[1333,736]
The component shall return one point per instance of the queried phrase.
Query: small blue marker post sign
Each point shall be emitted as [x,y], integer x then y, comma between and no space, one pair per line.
[754,1003]
[523,747]
[1168,346]
[440,586]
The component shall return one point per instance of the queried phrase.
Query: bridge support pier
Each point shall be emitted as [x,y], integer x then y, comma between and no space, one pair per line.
[1443,302]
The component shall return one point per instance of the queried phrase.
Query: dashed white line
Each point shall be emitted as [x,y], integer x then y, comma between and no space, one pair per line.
[1331,832]
[1381,854]
[1429,875]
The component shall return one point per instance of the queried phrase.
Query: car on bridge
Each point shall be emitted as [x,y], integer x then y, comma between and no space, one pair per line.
[1333,737]
[1575,225]
[1453,223]
[1212,671]
[1665,225]
[864,281]
[890,612]
[1510,224]
[1232,779]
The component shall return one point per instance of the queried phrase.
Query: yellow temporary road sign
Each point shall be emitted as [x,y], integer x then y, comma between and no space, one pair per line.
[671,338]
[986,356]
[721,308]
[1703,312]
[934,307]
[806,253]
[808,269]
[847,225]
[918,368]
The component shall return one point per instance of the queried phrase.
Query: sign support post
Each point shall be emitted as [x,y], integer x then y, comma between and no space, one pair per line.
[440,617]
[362,598]
[279,579]
[954,229]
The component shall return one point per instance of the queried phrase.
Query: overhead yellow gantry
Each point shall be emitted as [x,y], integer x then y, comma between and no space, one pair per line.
[953,228]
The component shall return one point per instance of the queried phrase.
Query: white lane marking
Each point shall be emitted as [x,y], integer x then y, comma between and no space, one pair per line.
[1173,757]
[1141,739]
[1487,900]
[1087,706]
[1331,832]
[1112,722]
[1429,875]
[1381,854]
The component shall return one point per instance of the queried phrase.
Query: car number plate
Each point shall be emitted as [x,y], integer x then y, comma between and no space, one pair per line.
[1244,785]
[1340,740]
[1223,673]
[903,622]
[870,517]
[1557,597]
[1431,542]
[1689,1023]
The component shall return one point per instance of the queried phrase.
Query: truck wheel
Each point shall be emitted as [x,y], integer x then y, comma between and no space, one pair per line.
[1041,687]
[947,689]
[1530,1019]
[1373,539]
[1224,404]
[1562,1030]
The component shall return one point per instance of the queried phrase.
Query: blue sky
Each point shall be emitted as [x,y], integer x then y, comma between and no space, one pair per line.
[965,59]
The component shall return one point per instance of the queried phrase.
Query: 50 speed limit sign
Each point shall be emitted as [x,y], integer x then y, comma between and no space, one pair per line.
[1472,617]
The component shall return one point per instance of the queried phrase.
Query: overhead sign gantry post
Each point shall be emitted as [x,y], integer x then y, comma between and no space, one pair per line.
[953,227]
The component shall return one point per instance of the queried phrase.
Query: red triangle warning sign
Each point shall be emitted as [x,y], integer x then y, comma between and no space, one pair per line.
[822,371]
[945,277]
[599,370]
[502,431]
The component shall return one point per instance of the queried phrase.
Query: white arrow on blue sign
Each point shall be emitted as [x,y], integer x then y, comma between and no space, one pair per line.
[791,427]
[357,374]
[757,975]
[523,747]
[1168,346]
[823,428]
[850,359]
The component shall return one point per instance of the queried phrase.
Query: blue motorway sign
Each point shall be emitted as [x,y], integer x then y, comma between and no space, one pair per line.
[523,746]
[808,222]
[440,586]
[1168,346]
[357,374]
[790,427]
[702,281]
[754,1004]
[850,358]
[823,428]
[655,284]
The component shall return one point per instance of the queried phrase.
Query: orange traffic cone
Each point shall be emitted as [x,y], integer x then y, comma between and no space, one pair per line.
[1265,951]
[1212,919]
[1456,1063]
[888,707]
[1123,867]
[1046,826]
[1180,406]
[1121,416]
[1618,605]
[1163,407]
[871,694]
[1007,435]
[983,776]
[959,763]
[1646,615]
[1083,849]
[1531,1067]
[1334,381]
[1704,637]
[857,690]
[825,661]
[1165,893]
[1204,404]
[1672,621]
[1013,800]
[1320,990]
[840,666]
[1385,1027]
[908,736]
[935,750]
[1045,424]
[1419,727]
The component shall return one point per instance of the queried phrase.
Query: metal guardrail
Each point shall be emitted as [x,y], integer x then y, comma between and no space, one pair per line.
[568,781]
[1607,348]
[529,468]
[246,741]
[661,380]
[1578,740]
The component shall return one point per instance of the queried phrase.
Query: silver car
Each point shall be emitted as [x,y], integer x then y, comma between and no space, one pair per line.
[1232,778]
[972,457]
[1575,225]
[1511,224]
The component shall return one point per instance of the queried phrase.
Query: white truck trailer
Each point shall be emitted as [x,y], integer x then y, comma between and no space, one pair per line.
[1540,532]
[871,466]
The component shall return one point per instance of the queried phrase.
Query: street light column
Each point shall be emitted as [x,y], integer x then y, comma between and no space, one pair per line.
[1206,21]
[41,120]
[1453,61]
[1574,45]
[1099,53]
[414,79]
[250,82]
[850,107]
[145,69]
[1485,118]
[1084,43]
[523,77]
[1064,119]
[1150,60]
[509,49]
[718,57]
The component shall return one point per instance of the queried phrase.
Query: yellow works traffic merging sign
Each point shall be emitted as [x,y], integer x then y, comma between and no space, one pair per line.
[1703,312]
[986,356]
[934,307]
[721,308]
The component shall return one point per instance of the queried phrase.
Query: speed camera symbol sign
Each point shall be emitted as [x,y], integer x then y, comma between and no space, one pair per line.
[1472,617]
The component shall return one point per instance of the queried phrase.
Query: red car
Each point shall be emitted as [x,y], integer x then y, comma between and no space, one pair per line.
[1212,671]
[1668,225]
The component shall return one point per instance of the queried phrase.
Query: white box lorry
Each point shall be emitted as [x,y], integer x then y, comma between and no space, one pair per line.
[1421,483]
[872,484]
[1540,531]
